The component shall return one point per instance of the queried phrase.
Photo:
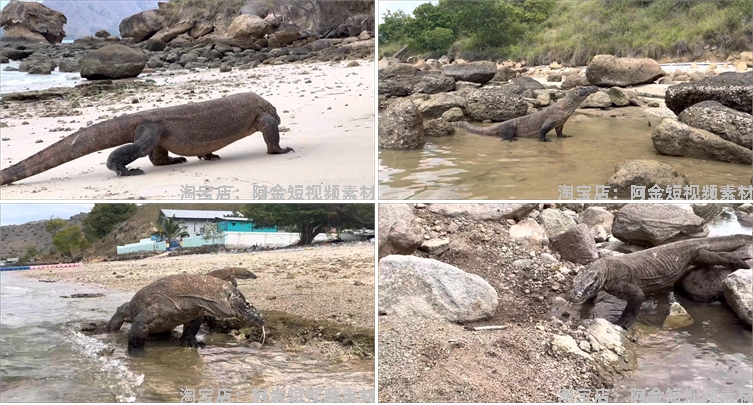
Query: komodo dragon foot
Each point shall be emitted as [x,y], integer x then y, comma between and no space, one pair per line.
[279,151]
[209,156]
[129,172]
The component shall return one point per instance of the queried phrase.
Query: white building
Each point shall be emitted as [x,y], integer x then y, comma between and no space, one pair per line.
[194,220]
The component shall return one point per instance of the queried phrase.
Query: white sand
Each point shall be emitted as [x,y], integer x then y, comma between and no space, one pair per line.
[328,108]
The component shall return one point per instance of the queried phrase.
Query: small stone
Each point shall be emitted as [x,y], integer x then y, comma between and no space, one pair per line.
[541,298]
[38,141]
[555,287]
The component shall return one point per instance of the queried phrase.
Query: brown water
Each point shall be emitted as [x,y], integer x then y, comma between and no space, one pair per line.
[470,166]
[45,359]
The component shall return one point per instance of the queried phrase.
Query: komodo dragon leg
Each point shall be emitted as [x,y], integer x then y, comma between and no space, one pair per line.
[508,133]
[634,297]
[732,261]
[188,339]
[209,156]
[159,157]
[548,126]
[558,129]
[268,125]
[117,320]
[144,142]
[140,328]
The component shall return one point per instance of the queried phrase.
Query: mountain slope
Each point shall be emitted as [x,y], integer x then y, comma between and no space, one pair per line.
[87,17]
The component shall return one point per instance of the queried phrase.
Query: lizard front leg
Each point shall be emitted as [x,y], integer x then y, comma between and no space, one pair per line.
[145,141]
[634,297]
[269,128]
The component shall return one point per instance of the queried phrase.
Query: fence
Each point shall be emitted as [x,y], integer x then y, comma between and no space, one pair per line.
[275,239]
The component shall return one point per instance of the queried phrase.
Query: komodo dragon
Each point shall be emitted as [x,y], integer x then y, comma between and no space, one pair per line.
[538,123]
[632,276]
[195,129]
[231,273]
[181,299]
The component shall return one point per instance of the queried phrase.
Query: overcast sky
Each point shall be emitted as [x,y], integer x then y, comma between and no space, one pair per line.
[17,214]
[407,6]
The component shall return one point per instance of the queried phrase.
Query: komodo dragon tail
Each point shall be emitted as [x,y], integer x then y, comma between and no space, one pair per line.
[489,131]
[81,143]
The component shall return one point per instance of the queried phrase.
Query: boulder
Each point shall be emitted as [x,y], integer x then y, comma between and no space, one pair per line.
[401,126]
[707,211]
[167,34]
[529,233]
[610,347]
[414,286]
[644,173]
[494,105]
[437,128]
[287,36]
[520,84]
[476,72]
[576,245]
[397,69]
[704,284]
[155,45]
[435,246]
[608,71]
[657,224]
[400,86]
[247,26]
[453,114]
[399,231]
[574,81]
[438,103]
[738,291]
[32,22]
[40,67]
[102,34]
[678,317]
[434,84]
[674,138]
[597,216]
[200,29]
[68,65]
[141,26]
[555,222]
[554,77]
[597,100]
[112,62]
[504,73]
[619,96]
[483,212]
[729,124]
[734,90]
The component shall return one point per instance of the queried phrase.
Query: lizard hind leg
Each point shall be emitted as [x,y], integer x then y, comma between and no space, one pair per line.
[269,127]
[558,129]
[209,156]
[508,133]
[159,157]
[144,142]
[188,339]
[545,128]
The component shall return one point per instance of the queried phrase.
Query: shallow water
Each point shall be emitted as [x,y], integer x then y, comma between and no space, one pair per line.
[712,353]
[21,81]
[44,358]
[470,166]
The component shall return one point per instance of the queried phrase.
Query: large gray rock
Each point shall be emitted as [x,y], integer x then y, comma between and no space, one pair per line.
[619,96]
[674,138]
[475,72]
[606,70]
[555,222]
[247,26]
[399,231]
[438,104]
[141,26]
[483,212]
[32,22]
[414,286]
[494,105]
[734,90]
[399,86]
[397,69]
[704,284]
[520,84]
[707,211]
[401,126]
[657,224]
[68,65]
[597,100]
[576,245]
[644,173]
[611,348]
[438,128]
[593,216]
[434,84]
[738,291]
[729,124]
[529,233]
[574,81]
[112,62]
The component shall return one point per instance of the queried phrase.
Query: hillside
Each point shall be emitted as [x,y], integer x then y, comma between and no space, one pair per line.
[87,17]
[16,239]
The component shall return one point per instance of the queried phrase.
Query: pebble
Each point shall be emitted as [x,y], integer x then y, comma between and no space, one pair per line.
[541,298]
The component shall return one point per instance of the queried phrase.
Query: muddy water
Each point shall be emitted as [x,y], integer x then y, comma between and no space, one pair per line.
[45,359]
[469,166]
[712,353]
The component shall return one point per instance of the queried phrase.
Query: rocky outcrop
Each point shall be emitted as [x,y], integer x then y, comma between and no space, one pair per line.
[607,70]
[657,224]
[555,222]
[401,126]
[734,90]
[674,138]
[483,212]
[738,291]
[729,124]
[494,105]
[399,232]
[576,245]
[597,100]
[112,62]
[141,26]
[439,103]
[249,25]
[32,22]
[704,284]
[474,72]
[438,128]
[434,84]
[644,173]
[414,286]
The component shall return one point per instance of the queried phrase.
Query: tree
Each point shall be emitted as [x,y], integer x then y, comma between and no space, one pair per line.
[169,229]
[69,239]
[103,218]
[212,232]
[310,220]
[54,225]
[28,257]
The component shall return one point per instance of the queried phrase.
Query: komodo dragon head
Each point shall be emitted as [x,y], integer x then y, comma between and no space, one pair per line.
[585,91]
[586,284]
[242,273]
[244,310]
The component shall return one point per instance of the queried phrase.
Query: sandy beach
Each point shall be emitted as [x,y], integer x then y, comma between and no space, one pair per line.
[327,110]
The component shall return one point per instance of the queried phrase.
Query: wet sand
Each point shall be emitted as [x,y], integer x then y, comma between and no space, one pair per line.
[327,108]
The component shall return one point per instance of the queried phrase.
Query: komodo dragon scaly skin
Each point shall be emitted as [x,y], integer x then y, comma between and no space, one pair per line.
[181,299]
[195,129]
[538,123]
[231,273]
[632,276]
